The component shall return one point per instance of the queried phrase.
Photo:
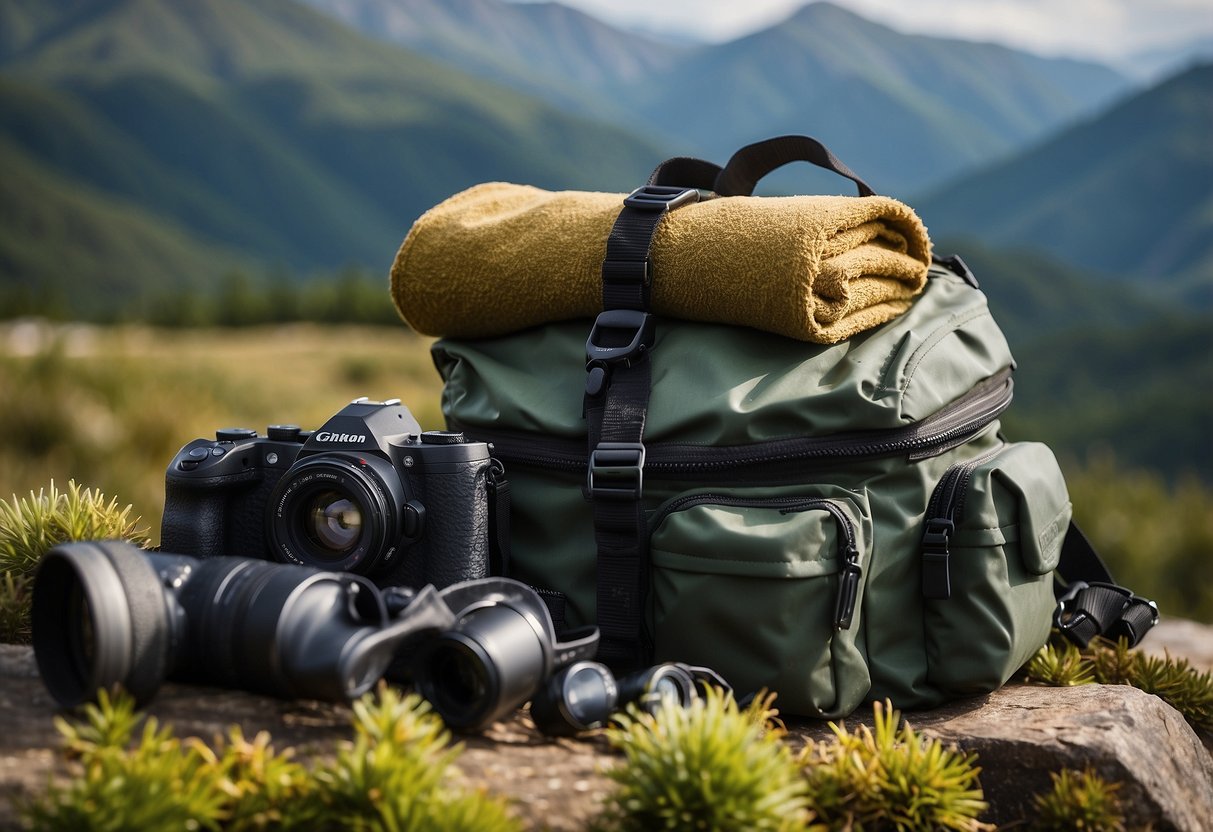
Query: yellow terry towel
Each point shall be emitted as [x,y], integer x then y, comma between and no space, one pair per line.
[498,257]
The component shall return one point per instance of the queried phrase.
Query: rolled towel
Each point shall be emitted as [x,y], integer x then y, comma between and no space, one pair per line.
[498,258]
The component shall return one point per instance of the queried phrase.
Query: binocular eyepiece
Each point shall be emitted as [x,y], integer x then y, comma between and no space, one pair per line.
[107,613]
[583,695]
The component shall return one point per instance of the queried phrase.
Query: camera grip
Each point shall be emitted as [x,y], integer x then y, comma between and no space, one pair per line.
[455,542]
[194,521]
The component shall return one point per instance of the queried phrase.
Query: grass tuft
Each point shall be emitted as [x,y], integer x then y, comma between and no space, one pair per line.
[1078,800]
[709,766]
[889,777]
[31,526]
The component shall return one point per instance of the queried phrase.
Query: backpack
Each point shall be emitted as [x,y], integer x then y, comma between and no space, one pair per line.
[836,522]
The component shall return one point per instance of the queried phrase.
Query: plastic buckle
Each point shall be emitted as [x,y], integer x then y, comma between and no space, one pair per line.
[958,267]
[660,197]
[936,575]
[638,331]
[616,471]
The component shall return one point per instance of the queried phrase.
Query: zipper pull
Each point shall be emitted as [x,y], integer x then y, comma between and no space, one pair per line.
[848,590]
[936,577]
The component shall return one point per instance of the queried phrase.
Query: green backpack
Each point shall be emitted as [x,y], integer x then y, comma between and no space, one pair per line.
[833,522]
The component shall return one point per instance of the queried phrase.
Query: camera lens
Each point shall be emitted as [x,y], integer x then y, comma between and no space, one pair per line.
[107,614]
[99,619]
[336,512]
[333,523]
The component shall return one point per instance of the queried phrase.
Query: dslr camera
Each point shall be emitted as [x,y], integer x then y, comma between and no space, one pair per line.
[370,493]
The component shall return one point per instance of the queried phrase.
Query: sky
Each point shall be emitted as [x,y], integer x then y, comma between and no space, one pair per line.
[1102,29]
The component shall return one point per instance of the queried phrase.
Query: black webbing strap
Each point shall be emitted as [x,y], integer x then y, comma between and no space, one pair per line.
[1092,604]
[616,403]
[754,161]
[686,171]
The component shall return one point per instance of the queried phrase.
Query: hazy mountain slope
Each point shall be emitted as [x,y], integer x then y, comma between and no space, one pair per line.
[903,110]
[89,251]
[1130,192]
[267,128]
[546,48]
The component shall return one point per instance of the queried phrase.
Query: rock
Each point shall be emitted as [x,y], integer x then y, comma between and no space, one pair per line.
[1020,734]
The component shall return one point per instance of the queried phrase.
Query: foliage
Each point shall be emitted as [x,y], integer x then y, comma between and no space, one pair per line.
[161,783]
[1078,801]
[1060,665]
[30,527]
[1175,681]
[709,765]
[393,776]
[889,777]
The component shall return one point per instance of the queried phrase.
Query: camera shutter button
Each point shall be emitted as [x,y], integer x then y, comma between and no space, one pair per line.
[235,434]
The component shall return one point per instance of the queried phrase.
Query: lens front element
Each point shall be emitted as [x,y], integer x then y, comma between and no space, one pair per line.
[333,522]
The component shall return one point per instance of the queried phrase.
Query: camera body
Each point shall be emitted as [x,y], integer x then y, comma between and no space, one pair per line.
[369,493]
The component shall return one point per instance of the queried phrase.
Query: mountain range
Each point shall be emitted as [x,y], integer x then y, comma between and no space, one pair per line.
[149,147]
[849,81]
[1132,190]
[223,131]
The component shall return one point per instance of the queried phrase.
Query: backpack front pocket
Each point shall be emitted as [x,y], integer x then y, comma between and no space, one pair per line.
[766,588]
[992,538]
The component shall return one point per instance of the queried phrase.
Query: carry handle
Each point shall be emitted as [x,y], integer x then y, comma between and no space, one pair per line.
[754,161]
[686,172]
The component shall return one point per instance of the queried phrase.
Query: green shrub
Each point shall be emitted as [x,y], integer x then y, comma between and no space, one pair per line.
[30,527]
[393,776]
[1078,801]
[709,766]
[891,778]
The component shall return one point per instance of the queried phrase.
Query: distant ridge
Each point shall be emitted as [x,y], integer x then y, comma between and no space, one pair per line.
[1129,192]
[261,129]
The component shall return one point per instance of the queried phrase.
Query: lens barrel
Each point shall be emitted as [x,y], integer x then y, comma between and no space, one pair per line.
[108,613]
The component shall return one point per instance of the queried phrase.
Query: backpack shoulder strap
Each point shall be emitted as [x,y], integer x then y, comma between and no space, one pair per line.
[1091,603]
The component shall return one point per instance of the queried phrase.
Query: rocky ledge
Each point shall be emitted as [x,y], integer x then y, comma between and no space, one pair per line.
[1020,734]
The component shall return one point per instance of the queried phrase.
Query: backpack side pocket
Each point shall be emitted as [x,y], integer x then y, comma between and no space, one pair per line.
[992,538]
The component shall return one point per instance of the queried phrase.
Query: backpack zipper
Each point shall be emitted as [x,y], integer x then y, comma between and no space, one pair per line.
[944,509]
[851,570]
[775,459]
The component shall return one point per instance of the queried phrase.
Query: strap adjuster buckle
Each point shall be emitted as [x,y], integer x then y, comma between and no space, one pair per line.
[620,336]
[616,471]
[660,197]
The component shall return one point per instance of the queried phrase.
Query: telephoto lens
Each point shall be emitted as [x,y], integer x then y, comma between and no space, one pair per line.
[107,613]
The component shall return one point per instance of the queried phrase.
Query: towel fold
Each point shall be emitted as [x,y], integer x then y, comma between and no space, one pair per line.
[498,258]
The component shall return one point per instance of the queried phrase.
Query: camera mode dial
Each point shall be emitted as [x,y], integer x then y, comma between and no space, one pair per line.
[442,437]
